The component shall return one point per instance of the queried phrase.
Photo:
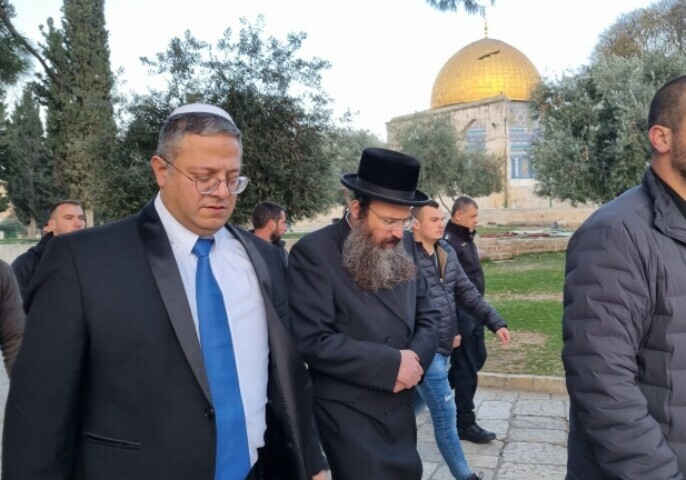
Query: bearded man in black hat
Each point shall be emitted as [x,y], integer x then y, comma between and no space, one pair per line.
[364,321]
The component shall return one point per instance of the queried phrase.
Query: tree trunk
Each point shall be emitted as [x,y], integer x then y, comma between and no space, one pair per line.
[89,217]
[31,230]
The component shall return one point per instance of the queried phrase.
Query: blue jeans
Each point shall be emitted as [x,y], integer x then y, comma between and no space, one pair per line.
[435,392]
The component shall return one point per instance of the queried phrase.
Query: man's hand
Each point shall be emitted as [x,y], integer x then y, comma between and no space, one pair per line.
[320,476]
[457,341]
[410,371]
[399,386]
[503,335]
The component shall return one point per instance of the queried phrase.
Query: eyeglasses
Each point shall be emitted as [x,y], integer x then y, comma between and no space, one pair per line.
[208,185]
[395,223]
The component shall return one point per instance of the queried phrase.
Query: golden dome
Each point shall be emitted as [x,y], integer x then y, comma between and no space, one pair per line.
[484,69]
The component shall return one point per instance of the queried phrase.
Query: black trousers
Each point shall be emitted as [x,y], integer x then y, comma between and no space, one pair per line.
[465,362]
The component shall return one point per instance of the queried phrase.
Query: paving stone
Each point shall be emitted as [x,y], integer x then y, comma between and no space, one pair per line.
[535,453]
[428,469]
[490,448]
[442,473]
[494,410]
[557,437]
[541,408]
[546,423]
[429,452]
[491,394]
[426,433]
[478,462]
[519,471]
[534,396]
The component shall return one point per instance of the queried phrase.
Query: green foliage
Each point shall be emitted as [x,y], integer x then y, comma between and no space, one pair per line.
[12,228]
[593,143]
[657,30]
[274,96]
[448,169]
[343,147]
[80,119]
[26,166]
[470,6]
[14,60]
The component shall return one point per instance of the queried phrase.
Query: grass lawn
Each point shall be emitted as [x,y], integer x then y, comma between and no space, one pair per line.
[527,291]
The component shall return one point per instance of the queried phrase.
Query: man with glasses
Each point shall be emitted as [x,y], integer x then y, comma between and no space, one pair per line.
[162,363]
[364,322]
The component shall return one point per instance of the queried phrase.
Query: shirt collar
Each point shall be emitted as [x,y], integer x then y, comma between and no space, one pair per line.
[179,236]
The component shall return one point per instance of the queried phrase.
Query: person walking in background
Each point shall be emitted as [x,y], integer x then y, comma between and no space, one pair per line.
[66,216]
[624,317]
[364,321]
[470,357]
[12,316]
[451,291]
[155,345]
[269,223]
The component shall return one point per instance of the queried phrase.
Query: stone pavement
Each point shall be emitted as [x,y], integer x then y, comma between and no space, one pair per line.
[531,441]
[531,444]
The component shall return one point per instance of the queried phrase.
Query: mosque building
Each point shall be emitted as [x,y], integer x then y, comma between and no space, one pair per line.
[485,89]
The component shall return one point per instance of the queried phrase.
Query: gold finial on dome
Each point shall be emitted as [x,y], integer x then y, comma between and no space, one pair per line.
[484,69]
[485,25]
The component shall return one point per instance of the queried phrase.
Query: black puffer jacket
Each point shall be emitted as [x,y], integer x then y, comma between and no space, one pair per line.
[624,330]
[25,265]
[451,290]
[462,240]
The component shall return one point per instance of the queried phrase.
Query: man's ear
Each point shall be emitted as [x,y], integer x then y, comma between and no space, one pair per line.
[160,169]
[354,206]
[661,138]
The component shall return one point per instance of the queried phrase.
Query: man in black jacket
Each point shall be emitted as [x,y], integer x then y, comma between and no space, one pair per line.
[269,223]
[364,321]
[624,317]
[451,290]
[467,360]
[66,216]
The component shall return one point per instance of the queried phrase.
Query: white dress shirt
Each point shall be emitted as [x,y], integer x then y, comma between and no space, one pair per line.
[238,282]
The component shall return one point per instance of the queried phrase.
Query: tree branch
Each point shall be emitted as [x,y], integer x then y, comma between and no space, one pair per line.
[4,16]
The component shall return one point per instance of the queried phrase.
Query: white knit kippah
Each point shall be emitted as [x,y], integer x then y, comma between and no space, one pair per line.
[201,108]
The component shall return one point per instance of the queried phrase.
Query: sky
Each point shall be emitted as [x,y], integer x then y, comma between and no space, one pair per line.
[385,54]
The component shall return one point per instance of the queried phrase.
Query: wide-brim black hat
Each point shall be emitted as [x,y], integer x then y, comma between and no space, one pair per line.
[387,175]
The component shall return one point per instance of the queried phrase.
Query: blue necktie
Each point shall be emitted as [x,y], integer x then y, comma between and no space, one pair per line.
[233,458]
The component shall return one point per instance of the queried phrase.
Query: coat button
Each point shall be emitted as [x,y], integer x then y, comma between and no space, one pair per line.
[209,413]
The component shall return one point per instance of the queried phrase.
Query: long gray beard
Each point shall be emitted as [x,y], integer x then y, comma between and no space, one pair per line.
[376,268]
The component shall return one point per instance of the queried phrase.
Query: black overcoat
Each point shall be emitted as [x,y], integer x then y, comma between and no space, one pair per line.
[351,340]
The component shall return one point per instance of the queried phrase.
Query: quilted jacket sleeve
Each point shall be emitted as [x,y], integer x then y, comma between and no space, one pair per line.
[607,312]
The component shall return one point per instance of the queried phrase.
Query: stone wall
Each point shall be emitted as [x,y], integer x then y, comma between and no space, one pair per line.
[503,248]
[11,251]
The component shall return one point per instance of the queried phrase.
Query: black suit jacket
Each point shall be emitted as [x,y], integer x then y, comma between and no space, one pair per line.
[110,381]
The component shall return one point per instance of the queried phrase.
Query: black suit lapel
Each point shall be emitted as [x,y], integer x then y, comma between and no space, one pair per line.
[169,283]
[258,263]
[396,301]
